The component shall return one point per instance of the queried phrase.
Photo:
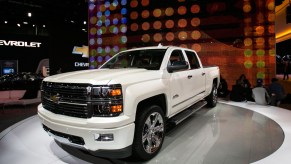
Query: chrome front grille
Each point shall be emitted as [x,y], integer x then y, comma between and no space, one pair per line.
[66,99]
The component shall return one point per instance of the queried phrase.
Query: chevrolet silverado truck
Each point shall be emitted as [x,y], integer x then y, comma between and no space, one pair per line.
[122,108]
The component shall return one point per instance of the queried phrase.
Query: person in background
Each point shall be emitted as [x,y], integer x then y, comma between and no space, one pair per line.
[277,92]
[243,81]
[241,91]
[222,88]
[286,69]
[246,85]
[260,93]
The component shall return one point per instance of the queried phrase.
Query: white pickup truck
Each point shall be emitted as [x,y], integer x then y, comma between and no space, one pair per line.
[122,108]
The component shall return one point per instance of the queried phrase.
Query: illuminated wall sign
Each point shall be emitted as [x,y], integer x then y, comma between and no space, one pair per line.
[81,64]
[81,51]
[19,43]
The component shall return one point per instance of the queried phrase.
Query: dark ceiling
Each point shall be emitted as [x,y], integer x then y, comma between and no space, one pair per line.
[44,14]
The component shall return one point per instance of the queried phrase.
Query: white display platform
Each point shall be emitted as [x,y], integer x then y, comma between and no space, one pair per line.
[192,141]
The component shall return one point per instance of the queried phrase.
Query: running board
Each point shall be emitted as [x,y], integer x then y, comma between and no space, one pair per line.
[187,113]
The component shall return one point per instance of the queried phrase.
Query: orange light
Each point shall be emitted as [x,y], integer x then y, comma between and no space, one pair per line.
[158,37]
[195,9]
[169,11]
[116,108]
[182,23]
[169,24]
[134,27]
[182,35]
[170,36]
[157,25]
[195,22]
[146,38]
[133,15]
[182,10]
[196,47]
[145,2]
[133,3]
[196,34]
[157,13]
[145,26]
[145,14]
[115,92]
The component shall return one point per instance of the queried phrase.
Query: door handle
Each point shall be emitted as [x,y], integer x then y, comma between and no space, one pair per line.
[189,76]
[203,74]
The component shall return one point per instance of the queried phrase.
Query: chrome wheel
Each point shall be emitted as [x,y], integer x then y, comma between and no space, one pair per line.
[153,132]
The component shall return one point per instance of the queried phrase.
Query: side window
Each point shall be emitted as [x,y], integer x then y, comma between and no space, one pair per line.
[176,57]
[193,61]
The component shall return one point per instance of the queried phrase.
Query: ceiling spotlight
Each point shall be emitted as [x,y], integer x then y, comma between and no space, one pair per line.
[72,21]
[18,24]
[43,25]
[25,22]
[33,25]
[5,22]
[29,14]
[83,29]
[85,22]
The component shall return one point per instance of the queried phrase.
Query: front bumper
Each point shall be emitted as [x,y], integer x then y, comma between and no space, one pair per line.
[66,129]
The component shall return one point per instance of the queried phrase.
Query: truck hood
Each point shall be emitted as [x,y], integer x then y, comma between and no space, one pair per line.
[105,76]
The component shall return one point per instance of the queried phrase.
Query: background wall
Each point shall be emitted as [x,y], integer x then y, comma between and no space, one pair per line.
[28,57]
[238,35]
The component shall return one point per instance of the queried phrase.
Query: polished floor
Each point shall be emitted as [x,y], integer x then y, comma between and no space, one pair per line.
[227,134]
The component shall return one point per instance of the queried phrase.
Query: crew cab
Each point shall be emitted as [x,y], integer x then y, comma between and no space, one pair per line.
[122,108]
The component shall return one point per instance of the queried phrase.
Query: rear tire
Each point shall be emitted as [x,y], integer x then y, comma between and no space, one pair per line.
[149,133]
[212,97]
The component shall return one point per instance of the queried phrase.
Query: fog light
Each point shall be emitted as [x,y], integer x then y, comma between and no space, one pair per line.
[104,137]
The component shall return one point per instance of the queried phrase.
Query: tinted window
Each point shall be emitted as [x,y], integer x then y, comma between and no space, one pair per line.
[193,61]
[176,56]
[149,59]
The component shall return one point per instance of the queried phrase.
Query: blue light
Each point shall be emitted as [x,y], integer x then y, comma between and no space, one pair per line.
[123,11]
[99,59]
[107,57]
[91,7]
[115,21]
[107,49]
[123,20]
[99,50]
[99,23]
[123,39]
[123,2]
[92,59]
[107,4]
[115,48]
[99,14]
[99,32]
[107,22]
[115,3]
[123,28]
[92,41]
[99,41]
[107,13]
[115,30]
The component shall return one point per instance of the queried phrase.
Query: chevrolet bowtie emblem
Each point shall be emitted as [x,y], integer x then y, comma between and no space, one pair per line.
[55,98]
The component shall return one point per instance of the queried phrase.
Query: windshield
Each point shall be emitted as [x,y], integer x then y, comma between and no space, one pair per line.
[150,59]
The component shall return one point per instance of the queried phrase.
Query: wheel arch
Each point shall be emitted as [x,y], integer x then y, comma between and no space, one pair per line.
[159,100]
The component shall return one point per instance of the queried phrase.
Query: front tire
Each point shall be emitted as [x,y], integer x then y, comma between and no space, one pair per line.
[149,133]
[212,97]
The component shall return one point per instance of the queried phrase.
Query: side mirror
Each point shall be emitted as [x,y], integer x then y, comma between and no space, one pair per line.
[177,65]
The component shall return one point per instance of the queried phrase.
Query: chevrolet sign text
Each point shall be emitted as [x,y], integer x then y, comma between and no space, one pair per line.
[19,43]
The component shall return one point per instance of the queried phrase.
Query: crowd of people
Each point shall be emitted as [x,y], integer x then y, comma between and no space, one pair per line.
[274,94]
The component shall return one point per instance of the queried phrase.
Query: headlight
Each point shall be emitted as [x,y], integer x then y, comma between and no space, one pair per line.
[106,92]
[107,100]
